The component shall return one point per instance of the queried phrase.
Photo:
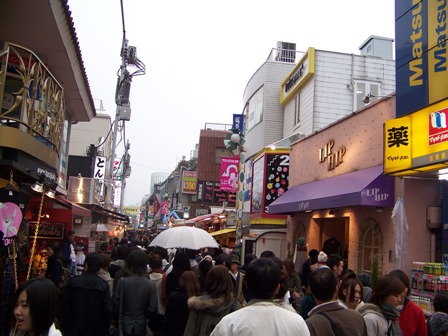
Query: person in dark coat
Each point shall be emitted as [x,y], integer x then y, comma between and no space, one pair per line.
[55,263]
[87,306]
[177,311]
[306,267]
[181,263]
[138,295]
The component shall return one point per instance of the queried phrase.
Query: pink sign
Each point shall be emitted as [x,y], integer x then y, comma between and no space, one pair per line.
[229,173]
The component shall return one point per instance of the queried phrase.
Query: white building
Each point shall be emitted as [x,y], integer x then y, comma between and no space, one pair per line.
[292,95]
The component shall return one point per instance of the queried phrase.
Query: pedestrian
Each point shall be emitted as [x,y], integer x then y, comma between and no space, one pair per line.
[350,291]
[247,260]
[412,318]
[136,295]
[55,263]
[87,305]
[366,281]
[261,316]
[381,315]
[237,279]
[118,256]
[104,274]
[328,317]
[35,308]
[80,257]
[321,261]
[208,309]
[439,324]
[204,267]
[68,250]
[158,277]
[177,311]
[293,279]
[181,263]
[336,264]
[306,267]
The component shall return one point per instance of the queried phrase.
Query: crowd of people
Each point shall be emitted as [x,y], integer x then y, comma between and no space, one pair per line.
[133,290]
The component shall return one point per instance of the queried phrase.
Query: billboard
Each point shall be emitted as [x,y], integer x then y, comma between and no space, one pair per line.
[418,142]
[189,182]
[421,54]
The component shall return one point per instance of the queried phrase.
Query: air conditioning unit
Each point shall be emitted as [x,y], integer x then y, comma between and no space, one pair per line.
[434,217]
[286,52]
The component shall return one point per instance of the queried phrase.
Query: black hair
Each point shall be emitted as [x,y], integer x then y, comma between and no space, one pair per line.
[181,262]
[41,296]
[154,260]
[223,259]
[313,253]
[161,251]
[248,258]
[94,262]
[334,260]
[137,261]
[267,254]
[365,279]
[122,252]
[440,302]
[262,278]
[323,284]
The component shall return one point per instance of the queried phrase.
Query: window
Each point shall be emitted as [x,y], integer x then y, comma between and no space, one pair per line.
[371,248]
[363,88]
[297,109]
[255,109]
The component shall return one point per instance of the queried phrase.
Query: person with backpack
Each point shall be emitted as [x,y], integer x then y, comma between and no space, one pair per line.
[328,317]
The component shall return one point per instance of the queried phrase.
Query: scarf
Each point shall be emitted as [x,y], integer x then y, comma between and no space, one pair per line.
[392,315]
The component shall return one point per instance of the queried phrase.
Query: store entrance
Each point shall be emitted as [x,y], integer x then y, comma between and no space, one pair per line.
[334,236]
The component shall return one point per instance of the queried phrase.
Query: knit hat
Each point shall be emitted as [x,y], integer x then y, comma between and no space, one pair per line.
[322,257]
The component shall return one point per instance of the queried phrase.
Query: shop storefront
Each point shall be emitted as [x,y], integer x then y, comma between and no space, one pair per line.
[339,199]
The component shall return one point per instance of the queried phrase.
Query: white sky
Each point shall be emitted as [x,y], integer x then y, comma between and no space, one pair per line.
[199,56]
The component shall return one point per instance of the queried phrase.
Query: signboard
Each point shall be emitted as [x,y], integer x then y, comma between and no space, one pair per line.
[208,192]
[47,230]
[238,122]
[418,142]
[229,173]
[301,73]
[257,185]
[421,54]
[189,181]
[276,179]
[100,167]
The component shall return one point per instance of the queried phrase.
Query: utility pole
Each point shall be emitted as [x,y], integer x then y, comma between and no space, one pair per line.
[123,110]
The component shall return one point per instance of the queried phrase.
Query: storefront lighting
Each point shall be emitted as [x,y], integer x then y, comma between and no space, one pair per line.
[52,192]
[443,174]
[38,186]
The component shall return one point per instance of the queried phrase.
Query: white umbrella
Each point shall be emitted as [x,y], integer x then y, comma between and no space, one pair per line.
[99,227]
[184,237]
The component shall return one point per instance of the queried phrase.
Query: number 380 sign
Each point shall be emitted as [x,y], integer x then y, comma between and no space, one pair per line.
[189,182]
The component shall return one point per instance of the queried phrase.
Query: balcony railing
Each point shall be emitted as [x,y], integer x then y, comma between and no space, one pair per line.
[31,99]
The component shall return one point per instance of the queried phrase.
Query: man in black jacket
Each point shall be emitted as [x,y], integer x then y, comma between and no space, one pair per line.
[87,303]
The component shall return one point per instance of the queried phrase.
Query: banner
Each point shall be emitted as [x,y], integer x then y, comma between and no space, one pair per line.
[229,173]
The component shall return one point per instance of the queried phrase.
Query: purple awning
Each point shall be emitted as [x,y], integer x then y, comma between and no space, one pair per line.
[364,187]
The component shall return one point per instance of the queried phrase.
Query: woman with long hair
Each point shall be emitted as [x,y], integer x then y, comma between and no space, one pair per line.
[181,263]
[412,318]
[207,310]
[177,311]
[35,308]
[350,291]
[381,315]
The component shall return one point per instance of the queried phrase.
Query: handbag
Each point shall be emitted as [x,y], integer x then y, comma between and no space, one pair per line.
[117,330]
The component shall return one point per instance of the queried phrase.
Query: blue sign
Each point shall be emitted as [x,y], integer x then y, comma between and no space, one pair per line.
[238,122]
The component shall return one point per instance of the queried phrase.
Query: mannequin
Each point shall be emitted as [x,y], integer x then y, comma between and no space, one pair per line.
[332,246]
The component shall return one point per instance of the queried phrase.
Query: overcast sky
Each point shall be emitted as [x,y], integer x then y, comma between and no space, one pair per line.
[199,56]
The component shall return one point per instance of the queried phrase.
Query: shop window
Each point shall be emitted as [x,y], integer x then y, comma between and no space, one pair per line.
[371,248]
